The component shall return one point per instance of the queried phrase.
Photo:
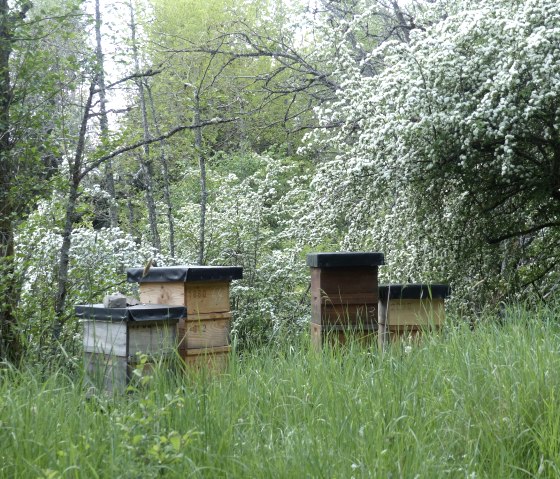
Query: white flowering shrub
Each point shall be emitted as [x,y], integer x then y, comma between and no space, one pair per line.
[448,159]
[99,259]
[247,223]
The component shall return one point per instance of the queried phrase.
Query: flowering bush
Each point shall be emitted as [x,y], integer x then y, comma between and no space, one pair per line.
[447,160]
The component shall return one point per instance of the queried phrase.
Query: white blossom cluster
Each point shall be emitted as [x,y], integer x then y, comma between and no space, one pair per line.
[248,225]
[450,146]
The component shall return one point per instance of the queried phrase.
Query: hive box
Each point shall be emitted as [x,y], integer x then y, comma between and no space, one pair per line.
[407,309]
[114,338]
[343,295]
[204,332]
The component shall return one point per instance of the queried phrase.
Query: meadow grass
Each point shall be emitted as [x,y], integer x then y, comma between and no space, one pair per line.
[464,403]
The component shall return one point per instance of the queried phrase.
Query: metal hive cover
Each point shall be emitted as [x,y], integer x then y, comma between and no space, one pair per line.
[184,274]
[344,259]
[141,312]
[414,291]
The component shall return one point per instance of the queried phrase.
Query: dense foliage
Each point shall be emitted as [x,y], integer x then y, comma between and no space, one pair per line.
[448,159]
[251,133]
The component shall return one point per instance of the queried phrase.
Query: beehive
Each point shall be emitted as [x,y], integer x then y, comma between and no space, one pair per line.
[204,332]
[343,295]
[115,337]
[405,310]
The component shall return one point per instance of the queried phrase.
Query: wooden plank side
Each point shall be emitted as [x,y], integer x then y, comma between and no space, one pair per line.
[208,333]
[106,371]
[348,298]
[105,337]
[335,281]
[415,312]
[383,331]
[213,363]
[347,314]
[208,316]
[207,297]
[214,360]
[316,336]
[152,339]
[113,373]
[321,334]
[163,293]
[207,351]
[357,299]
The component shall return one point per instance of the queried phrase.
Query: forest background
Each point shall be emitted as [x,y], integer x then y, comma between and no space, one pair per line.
[251,133]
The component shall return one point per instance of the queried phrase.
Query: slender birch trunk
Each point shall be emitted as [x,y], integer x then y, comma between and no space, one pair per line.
[202,167]
[75,177]
[145,160]
[103,119]
[166,179]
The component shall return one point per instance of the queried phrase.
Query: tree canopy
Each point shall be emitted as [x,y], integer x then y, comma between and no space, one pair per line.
[456,140]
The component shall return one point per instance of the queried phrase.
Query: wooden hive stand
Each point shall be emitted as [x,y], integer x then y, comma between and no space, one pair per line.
[204,332]
[343,296]
[114,338]
[405,310]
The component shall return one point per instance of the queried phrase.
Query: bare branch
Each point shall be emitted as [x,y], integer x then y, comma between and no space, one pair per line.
[134,76]
[139,144]
[527,231]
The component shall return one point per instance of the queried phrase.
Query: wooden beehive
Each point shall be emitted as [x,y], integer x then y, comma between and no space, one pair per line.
[405,310]
[115,337]
[343,295]
[204,332]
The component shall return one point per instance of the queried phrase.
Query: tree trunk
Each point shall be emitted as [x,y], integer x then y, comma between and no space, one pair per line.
[203,189]
[166,179]
[404,26]
[145,161]
[10,347]
[75,177]
[103,120]
[130,209]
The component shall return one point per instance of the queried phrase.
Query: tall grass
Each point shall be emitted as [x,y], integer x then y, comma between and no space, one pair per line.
[481,403]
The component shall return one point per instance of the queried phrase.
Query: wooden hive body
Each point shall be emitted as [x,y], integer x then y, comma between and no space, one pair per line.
[204,332]
[199,297]
[343,296]
[405,311]
[114,339]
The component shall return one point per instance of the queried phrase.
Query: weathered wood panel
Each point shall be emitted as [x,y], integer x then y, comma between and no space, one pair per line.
[339,335]
[383,331]
[105,337]
[163,293]
[151,339]
[205,331]
[407,319]
[112,373]
[106,372]
[351,314]
[335,281]
[207,297]
[199,297]
[415,312]
[213,359]
[343,302]
[344,295]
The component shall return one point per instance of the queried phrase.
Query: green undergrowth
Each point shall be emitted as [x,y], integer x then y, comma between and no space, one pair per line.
[482,403]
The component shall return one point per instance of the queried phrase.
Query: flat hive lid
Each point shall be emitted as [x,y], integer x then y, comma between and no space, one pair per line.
[183,274]
[140,313]
[414,291]
[344,259]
